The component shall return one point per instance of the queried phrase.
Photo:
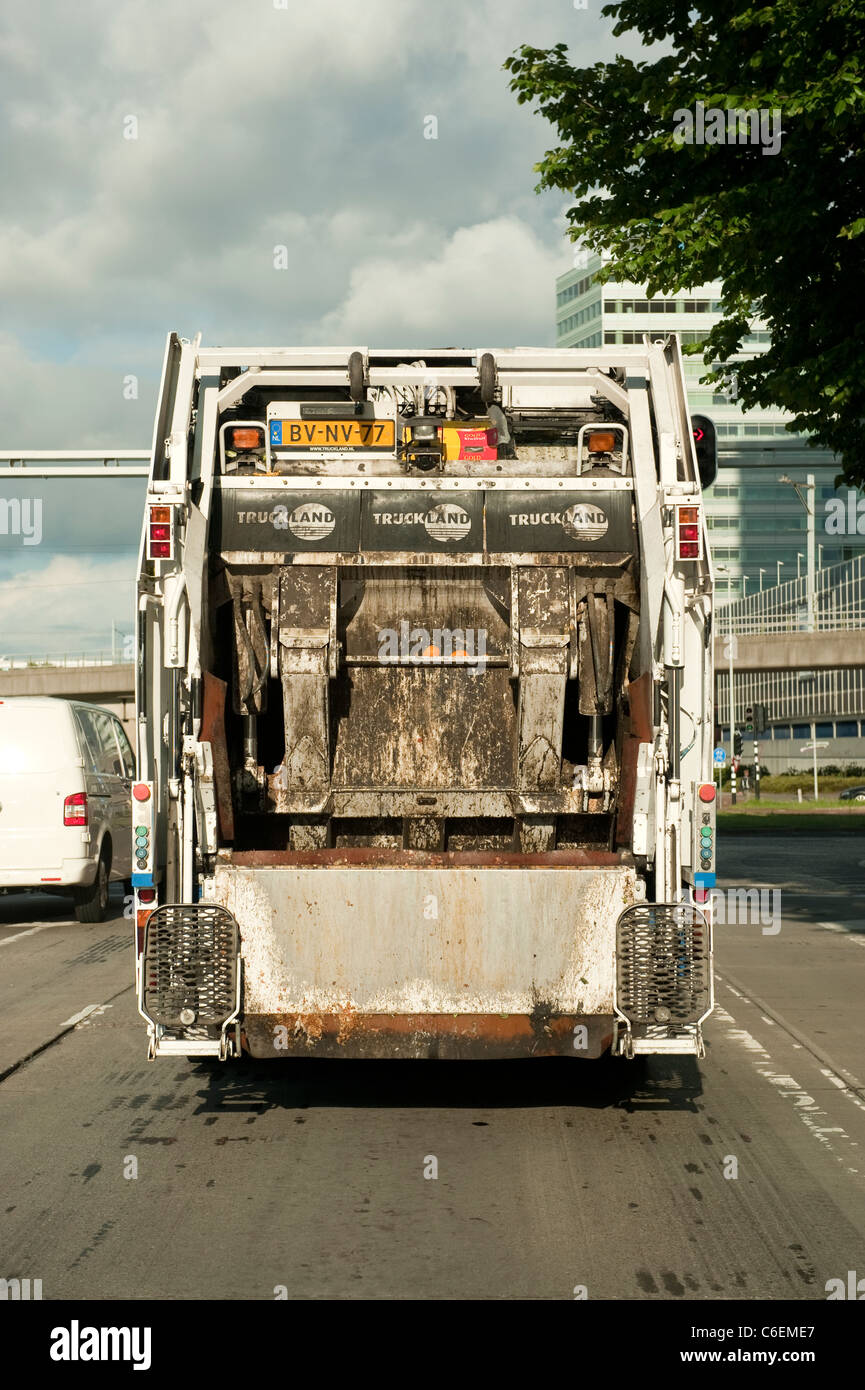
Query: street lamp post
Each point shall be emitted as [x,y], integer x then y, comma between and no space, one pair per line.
[731,642]
[809,486]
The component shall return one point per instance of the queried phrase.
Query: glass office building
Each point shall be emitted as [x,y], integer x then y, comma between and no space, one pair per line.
[757,524]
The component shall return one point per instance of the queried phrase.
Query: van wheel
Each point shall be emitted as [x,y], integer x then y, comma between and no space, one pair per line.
[91,904]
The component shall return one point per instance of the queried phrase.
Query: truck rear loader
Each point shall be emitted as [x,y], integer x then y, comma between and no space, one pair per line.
[424,705]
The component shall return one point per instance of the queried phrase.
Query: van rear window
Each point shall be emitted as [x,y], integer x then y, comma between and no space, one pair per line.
[35,739]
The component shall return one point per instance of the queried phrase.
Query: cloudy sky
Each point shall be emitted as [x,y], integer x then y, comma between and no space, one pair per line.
[256,124]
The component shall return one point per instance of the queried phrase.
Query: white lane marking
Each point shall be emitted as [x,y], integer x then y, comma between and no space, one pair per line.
[43,926]
[809,1111]
[856,1087]
[836,1080]
[844,930]
[85,1013]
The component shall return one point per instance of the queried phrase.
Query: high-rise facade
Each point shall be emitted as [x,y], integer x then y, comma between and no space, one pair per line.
[757,524]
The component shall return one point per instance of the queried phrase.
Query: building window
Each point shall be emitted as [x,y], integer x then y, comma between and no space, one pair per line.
[574,291]
[593,340]
[847,729]
[801,730]
[573,321]
[781,731]
[663,306]
[824,731]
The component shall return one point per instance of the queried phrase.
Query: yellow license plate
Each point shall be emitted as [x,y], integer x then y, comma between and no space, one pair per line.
[335,435]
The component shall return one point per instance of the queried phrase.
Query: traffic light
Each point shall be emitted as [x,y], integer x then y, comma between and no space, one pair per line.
[761,719]
[706,449]
[749,726]
[737,745]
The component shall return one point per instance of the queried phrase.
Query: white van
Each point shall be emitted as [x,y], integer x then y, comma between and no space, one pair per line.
[66,772]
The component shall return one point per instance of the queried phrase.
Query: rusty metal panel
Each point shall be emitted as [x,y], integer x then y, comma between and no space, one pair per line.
[441,1036]
[213,732]
[544,636]
[307,618]
[426,940]
[423,727]
[416,607]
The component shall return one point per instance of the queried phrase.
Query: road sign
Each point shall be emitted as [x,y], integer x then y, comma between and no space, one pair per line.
[812,747]
[720,757]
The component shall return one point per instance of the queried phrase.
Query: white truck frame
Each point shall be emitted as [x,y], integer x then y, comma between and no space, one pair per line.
[322,946]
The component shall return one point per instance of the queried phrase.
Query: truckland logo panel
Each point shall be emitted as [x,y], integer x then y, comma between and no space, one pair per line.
[337,520]
[260,521]
[416,521]
[555,521]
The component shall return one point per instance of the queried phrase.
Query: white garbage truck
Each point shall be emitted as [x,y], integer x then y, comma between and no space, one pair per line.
[424,705]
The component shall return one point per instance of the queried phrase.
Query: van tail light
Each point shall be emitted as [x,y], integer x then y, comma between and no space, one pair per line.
[75,809]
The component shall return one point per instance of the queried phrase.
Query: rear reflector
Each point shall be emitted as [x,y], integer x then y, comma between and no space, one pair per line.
[75,809]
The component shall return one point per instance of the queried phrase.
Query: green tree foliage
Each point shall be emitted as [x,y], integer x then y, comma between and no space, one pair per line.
[784,232]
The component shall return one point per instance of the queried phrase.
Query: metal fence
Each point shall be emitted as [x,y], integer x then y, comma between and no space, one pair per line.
[839,604]
[830,693]
[63,659]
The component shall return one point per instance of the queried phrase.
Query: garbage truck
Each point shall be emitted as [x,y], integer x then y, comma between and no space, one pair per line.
[424,705]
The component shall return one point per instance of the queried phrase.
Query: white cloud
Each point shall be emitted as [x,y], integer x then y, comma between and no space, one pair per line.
[491,284]
[67,606]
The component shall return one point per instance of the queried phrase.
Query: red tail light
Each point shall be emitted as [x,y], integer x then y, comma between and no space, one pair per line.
[75,809]
[160,533]
[688,533]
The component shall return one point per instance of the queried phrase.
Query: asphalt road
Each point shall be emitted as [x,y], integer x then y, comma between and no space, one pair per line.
[738,1177]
